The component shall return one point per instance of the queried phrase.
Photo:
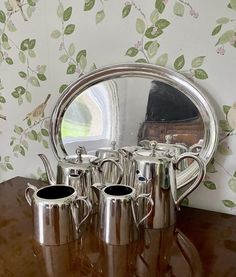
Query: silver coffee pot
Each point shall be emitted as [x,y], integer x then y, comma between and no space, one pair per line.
[156,174]
[80,171]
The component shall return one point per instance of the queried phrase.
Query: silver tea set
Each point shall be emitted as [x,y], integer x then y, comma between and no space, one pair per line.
[128,188]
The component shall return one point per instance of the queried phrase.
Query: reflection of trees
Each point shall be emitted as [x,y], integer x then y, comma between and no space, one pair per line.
[79,113]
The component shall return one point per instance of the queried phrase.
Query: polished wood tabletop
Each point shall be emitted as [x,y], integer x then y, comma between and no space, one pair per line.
[202,243]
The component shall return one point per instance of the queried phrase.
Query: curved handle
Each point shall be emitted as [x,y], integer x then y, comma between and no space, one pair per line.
[145,196]
[198,180]
[27,195]
[89,209]
[121,171]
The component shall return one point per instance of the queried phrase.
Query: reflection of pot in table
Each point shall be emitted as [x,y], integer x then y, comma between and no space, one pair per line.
[170,112]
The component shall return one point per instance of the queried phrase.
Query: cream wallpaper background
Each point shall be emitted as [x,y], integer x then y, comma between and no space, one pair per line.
[45,45]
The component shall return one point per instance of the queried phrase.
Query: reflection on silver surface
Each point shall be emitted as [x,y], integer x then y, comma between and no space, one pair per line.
[128,103]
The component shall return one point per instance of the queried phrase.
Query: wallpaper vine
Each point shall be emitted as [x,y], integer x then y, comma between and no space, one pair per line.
[46,45]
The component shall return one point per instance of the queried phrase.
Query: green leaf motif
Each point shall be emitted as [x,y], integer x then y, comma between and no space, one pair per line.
[131,52]
[81,53]
[153,32]
[11,27]
[71,69]
[226,37]
[60,10]
[15,94]
[224,125]
[226,109]
[126,10]
[162,23]
[198,61]
[4,37]
[178,9]
[22,57]
[140,26]
[232,184]
[9,60]
[32,43]
[44,132]
[33,135]
[162,60]
[6,45]
[64,58]
[141,61]
[67,14]
[31,2]
[147,44]
[152,49]
[6,159]
[18,130]
[41,77]
[24,44]
[82,62]
[71,49]
[100,15]
[69,29]
[229,203]
[20,100]
[2,99]
[179,62]
[233,4]
[222,20]
[224,150]
[29,11]
[216,30]
[55,34]
[62,88]
[22,74]
[9,166]
[160,6]
[42,69]
[154,16]
[200,74]
[28,97]
[45,143]
[31,53]
[34,81]
[88,5]
[210,185]
[2,16]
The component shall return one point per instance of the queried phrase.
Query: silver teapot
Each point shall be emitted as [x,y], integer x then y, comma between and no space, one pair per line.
[156,174]
[80,171]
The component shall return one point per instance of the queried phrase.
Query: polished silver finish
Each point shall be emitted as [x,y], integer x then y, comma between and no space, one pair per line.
[81,171]
[147,71]
[57,213]
[156,175]
[118,222]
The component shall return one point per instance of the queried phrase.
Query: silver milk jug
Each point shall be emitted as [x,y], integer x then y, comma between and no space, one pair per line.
[56,216]
[117,217]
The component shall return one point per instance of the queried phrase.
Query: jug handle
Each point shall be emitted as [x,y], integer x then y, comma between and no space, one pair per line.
[151,202]
[198,180]
[27,195]
[89,209]
[121,171]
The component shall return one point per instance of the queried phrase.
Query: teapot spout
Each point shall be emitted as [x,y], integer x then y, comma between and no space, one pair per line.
[48,168]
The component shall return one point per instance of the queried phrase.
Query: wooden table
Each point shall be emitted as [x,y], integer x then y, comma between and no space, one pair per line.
[205,246]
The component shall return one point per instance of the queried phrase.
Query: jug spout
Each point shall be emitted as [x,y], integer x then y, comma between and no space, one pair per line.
[97,188]
[48,168]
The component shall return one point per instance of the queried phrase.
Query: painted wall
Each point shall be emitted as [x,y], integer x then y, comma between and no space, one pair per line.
[45,45]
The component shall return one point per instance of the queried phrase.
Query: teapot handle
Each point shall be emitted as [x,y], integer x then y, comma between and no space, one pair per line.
[27,195]
[145,196]
[89,209]
[121,171]
[198,180]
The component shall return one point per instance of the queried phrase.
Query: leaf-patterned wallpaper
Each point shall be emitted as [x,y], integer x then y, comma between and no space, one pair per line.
[45,45]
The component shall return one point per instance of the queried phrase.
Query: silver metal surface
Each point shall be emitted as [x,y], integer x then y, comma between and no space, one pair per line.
[118,223]
[148,71]
[57,218]
[157,177]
